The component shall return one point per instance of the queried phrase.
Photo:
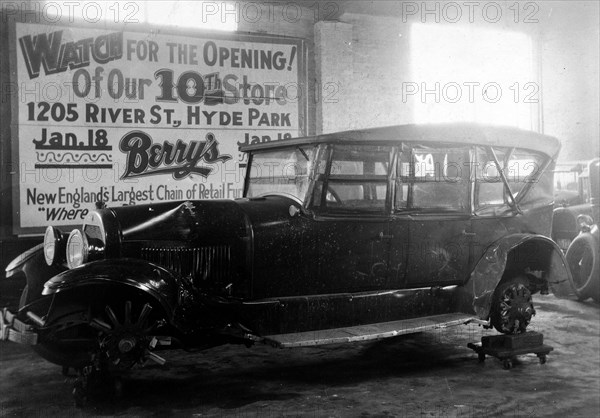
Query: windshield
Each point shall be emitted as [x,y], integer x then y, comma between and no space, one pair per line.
[282,171]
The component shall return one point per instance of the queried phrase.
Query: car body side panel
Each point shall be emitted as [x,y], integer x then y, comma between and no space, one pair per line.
[353,255]
[317,312]
[439,250]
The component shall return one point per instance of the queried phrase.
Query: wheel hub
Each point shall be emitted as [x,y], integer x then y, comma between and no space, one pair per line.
[127,344]
[516,309]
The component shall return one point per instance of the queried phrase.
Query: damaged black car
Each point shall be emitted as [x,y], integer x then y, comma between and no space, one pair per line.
[341,237]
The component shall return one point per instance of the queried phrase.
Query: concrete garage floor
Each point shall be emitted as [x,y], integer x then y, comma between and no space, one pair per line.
[429,374]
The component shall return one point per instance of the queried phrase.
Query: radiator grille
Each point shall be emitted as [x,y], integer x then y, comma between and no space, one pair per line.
[205,263]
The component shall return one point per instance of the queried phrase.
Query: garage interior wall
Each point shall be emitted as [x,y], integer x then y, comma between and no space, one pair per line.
[358,56]
[368,56]
[570,79]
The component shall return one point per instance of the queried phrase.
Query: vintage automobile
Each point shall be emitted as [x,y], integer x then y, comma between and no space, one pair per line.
[571,201]
[583,253]
[341,237]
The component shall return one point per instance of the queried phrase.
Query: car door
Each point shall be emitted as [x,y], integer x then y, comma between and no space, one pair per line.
[439,252]
[351,205]
[437,184]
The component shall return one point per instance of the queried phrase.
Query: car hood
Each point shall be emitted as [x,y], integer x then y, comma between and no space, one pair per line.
[199,220]
[181,221]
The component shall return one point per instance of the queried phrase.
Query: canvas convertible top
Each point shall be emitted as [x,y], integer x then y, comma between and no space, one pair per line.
[464,133]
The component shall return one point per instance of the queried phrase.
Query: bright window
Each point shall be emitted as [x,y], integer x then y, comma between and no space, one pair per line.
[472,74]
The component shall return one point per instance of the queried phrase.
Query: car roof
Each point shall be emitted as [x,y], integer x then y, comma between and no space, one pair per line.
[456,133]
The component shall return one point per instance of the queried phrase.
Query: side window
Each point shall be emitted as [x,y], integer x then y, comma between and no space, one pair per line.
[520,168]
[357,179]
[489,187]
[433,179]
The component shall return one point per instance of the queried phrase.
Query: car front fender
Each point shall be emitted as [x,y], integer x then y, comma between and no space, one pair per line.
[31,266]
[490,269]
[153,280]
[17,265]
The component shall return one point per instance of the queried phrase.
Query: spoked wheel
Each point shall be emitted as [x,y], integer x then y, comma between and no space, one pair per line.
[512,308]
[582,257]
[75,336]
[127,341]
[122,342]
[100,344]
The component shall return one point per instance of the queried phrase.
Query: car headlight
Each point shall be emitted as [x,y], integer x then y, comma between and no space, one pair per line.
[54,246]
[77,249]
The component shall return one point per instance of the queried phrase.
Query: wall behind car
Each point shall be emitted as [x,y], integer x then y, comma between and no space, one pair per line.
[570,78]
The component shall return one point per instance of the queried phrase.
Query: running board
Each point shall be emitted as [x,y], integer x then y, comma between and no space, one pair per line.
[368,332]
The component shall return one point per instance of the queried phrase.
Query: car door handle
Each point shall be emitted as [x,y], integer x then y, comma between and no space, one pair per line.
[383,236]
[468,234]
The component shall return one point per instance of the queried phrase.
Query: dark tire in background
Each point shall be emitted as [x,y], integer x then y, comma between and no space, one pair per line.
[582,257]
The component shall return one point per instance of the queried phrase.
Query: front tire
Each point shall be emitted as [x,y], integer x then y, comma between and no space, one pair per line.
[512,307]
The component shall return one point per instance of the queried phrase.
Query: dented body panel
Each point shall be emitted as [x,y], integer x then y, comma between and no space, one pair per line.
[531,253]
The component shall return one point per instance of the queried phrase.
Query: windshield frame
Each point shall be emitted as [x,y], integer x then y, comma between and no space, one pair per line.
[308,151]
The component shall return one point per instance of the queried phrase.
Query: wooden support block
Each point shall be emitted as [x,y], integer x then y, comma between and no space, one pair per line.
[513,342]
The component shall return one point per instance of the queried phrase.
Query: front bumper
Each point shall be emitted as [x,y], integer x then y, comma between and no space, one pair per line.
[13,329]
